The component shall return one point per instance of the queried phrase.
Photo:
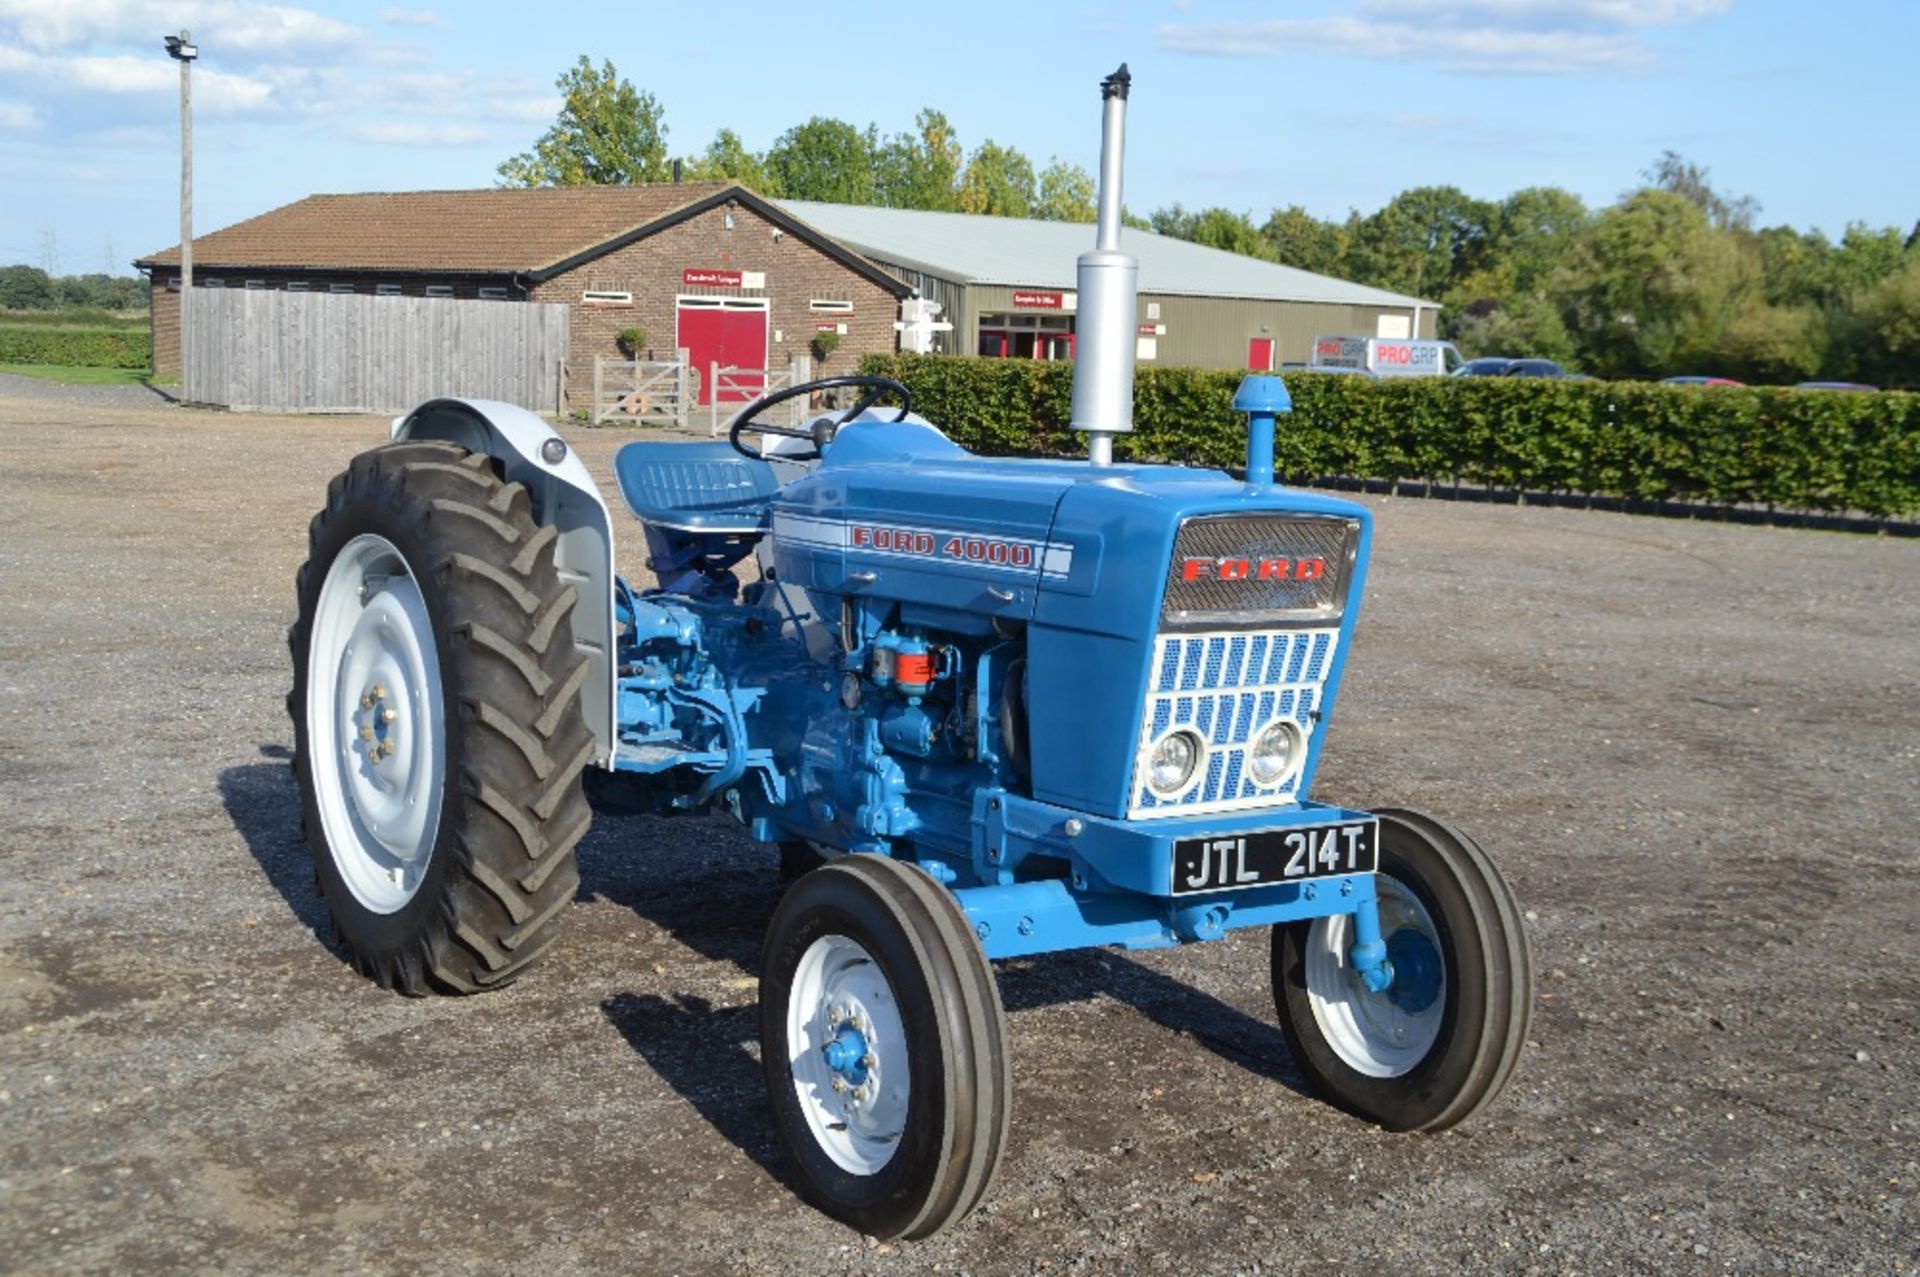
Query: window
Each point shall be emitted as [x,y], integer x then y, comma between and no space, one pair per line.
[831,306]
[605,297]
[386,290]
[439,290]
[339,288]
[299,286]
[173,283]
[493,294]
[213,281]
[256,284]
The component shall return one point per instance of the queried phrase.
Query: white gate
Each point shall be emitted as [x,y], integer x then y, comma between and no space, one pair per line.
[644,390]
[740,386]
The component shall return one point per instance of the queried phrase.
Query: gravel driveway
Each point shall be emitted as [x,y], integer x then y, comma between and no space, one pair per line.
[1695,749]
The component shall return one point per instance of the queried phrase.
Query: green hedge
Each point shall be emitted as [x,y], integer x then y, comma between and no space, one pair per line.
[1795,450]
[74,347]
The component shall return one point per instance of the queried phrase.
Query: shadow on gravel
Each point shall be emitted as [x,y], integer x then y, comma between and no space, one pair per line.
[705,1055]
[264,806]
[714,891]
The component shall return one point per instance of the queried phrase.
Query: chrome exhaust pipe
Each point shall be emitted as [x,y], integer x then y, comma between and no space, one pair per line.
[1107,311]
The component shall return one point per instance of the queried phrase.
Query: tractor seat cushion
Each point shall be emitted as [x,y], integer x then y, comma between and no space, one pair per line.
[695,487]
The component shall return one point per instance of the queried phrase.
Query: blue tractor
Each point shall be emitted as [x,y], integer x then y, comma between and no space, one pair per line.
[984,707]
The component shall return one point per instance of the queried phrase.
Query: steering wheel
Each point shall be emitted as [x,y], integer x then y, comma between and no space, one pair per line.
[822,432]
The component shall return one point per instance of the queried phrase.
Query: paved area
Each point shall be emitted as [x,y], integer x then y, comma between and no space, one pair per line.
[1694,748]
[14,386]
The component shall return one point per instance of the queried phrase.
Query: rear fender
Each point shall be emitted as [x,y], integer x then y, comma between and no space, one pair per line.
[565,497]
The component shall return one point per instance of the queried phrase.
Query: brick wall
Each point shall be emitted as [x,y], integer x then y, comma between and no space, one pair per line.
[650,269]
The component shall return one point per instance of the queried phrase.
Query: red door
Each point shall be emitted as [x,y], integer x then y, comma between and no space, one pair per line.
[1260,354]
[732,337]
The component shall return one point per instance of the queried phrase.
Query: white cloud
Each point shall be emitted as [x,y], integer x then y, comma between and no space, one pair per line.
[219,26]
[414,133]
[18,115]
[1525,37]
[414,18]
[216,91]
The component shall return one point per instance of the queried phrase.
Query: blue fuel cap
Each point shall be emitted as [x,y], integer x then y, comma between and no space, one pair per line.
[1262,392]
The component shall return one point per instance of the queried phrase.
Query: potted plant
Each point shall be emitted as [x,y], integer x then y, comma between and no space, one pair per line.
[824,344]
[631,341]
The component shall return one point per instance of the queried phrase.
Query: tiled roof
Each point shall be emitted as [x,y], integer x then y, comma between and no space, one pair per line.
[487,231]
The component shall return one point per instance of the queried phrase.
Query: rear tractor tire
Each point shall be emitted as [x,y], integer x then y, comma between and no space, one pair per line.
[1440,1042]
[438,736]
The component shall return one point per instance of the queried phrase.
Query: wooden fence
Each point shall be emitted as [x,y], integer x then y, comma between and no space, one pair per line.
[641,390]
[321,352]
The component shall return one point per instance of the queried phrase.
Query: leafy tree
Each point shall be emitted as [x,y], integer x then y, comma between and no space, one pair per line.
[1531,233]
[26,288]
[827,160]
[1216,228]
[920,169]
[727,159]
[1866,256]
[608,133]
[1298,238]
[999,182]
[1677,175]
[1067,194]
[1887,329]
[1423,241]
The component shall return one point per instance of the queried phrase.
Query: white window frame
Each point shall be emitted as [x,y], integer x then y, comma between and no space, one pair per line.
[213,281]
[493,294]
[830,306]
[299,285]
[439,290]
[256,285]
[605,297]
[341,289]
[386,290]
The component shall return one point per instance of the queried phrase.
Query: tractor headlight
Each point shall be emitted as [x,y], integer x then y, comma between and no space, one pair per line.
[1277,752]
[1174,759]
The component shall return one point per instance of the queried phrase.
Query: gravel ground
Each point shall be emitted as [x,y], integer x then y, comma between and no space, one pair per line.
[1692,746]
[14,386]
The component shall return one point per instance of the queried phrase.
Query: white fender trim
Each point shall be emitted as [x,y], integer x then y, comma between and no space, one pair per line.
[565,496]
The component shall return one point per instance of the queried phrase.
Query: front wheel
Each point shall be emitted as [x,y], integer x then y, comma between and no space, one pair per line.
[883,1040]
[1439,1043]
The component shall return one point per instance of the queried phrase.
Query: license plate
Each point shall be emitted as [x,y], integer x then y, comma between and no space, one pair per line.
[1224,863]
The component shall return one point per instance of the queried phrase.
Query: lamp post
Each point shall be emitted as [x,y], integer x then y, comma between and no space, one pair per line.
[182,50]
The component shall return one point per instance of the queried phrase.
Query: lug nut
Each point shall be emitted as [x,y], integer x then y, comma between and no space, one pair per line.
[388,714]
[833,1016]
[366,733]
[867,1060]
[366,701]
[839,1084]
[379,692]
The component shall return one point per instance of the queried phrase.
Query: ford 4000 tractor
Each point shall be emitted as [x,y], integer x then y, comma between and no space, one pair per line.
[992,706]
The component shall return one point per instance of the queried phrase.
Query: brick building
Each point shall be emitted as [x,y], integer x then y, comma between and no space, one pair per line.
[707,267]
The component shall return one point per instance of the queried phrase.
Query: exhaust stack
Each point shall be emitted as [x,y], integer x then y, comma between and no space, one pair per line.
[1108,286]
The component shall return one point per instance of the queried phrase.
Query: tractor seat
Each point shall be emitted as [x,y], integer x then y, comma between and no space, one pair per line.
[695,487]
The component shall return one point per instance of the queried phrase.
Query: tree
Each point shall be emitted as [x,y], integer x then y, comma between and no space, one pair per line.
[1677,175]
[1298,238]
[1422,242]
[999,182]
[827,160]
[1216,228]
[920,169]
[1067,194]
[608,133]
[727,159]
[1531,233]
[26,288]
[1886,346]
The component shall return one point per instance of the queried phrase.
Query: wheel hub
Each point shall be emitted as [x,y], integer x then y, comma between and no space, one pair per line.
[847,1054]
[1416,971]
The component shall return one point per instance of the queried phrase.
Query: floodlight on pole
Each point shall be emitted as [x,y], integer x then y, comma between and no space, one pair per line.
[182,49]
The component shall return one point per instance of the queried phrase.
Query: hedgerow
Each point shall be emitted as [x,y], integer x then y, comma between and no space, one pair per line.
[76,347]
[1789,449]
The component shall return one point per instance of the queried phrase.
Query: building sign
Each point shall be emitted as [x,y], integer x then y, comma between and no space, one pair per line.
[710,278]
[1023,300]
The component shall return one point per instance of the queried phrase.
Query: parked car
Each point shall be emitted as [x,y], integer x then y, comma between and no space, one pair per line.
[1487,366]
[1835,385]
[1700,381]
[1534,368]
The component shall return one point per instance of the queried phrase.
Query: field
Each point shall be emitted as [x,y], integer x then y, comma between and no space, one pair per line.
[1692,746]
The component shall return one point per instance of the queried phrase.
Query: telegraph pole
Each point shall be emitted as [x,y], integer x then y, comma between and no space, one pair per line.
[182,50]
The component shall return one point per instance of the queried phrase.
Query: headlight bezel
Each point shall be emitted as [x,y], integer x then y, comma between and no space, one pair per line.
[1296,756]
[1195,768]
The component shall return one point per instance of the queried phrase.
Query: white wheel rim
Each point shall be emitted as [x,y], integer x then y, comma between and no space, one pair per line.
[376,734]
[857,1116]
[1369,1031]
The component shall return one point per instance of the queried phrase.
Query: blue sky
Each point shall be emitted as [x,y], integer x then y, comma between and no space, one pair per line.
[1333,104]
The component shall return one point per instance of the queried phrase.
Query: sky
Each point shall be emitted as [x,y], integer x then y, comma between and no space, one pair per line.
[1330,104]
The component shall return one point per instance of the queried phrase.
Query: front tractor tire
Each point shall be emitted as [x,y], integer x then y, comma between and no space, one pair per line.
[438,737]
[1440,1042]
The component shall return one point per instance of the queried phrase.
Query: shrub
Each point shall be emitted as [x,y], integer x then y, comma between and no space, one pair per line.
[1797,450]
[632,340]
[824,344]
[74,346]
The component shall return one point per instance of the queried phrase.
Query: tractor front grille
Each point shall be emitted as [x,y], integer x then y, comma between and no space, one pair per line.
[1227,685]
[1257,570]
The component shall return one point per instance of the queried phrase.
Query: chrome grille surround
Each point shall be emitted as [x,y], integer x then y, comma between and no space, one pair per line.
[1225,542]
[1226,685]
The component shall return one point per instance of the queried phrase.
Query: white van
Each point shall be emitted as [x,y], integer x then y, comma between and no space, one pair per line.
[1386,356]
